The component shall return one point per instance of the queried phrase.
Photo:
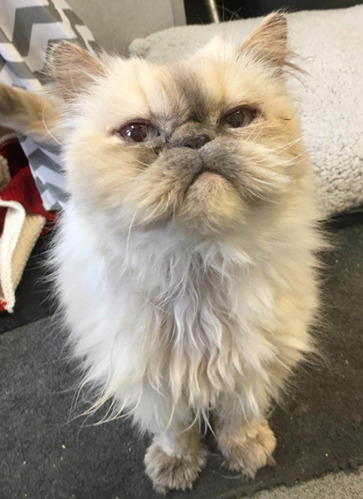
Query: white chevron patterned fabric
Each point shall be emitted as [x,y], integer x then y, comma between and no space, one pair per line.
[27,29]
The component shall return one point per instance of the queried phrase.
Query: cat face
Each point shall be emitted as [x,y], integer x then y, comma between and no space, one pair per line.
[200,143]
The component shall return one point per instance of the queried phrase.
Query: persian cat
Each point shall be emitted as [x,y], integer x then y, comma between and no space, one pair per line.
[185,255]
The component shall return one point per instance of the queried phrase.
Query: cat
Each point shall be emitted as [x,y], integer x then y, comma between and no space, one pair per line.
[186,254]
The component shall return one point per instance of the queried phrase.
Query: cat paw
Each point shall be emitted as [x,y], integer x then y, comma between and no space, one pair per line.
[250,449]
[171,472]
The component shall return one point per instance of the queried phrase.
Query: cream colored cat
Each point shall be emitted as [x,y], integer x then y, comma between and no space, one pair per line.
[185,255]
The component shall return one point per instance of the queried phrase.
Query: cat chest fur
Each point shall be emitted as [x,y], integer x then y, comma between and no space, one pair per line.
[196,323]
[209,342]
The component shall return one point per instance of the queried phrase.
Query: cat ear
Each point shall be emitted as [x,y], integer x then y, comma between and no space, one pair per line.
[73,69]
[268,42]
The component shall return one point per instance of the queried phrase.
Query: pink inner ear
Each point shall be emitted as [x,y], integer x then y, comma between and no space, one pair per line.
[268,41]
[73,68]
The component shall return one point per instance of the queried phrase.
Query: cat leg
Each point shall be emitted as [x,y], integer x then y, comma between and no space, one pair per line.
[176,455]
[33,114]
[247,445]
[174,459]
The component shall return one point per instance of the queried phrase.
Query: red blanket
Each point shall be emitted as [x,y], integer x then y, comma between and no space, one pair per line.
[22,217]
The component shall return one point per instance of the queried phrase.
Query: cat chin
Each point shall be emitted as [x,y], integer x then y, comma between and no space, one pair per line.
[211,205]
[208,182]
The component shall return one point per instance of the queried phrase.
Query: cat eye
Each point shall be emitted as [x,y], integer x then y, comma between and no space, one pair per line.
[137,131]
[239,117]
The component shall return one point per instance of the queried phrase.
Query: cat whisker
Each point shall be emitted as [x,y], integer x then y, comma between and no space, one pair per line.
[287,145]
[46,126]
[127,260]
[142,164]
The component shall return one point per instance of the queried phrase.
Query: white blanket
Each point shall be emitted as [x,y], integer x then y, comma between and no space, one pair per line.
[329,101]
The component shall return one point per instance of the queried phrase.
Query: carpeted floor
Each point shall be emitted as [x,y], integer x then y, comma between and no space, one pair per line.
[46,453]
[331,486]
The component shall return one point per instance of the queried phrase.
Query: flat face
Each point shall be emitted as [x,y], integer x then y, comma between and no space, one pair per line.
[201,141]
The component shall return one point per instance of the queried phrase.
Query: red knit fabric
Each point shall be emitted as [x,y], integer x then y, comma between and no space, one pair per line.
[2,218]
[13,152]
[21,187]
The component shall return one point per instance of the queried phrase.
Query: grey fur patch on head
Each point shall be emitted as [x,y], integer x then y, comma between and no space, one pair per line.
[190,88]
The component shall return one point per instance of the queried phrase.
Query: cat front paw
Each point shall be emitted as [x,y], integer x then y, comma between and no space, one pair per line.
[249,449]
[171,472]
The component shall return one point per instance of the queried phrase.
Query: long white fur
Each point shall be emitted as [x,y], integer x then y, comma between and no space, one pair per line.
[173,318]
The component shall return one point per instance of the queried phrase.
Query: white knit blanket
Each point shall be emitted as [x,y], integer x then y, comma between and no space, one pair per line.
[329,101]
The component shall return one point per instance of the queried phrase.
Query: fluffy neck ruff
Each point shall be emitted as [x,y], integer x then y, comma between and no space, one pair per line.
[196,318]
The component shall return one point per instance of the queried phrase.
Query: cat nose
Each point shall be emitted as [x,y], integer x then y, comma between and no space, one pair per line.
[194,141]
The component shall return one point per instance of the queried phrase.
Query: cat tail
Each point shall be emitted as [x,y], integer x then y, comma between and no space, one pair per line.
[34,115]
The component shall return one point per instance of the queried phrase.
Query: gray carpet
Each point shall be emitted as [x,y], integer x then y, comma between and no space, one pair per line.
[44,453]
[331,486]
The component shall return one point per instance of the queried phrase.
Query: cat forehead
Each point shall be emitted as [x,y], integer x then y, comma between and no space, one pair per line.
[216,77]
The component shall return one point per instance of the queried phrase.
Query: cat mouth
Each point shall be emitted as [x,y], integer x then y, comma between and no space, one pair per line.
[205,172]
[205,169]
[210,175]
